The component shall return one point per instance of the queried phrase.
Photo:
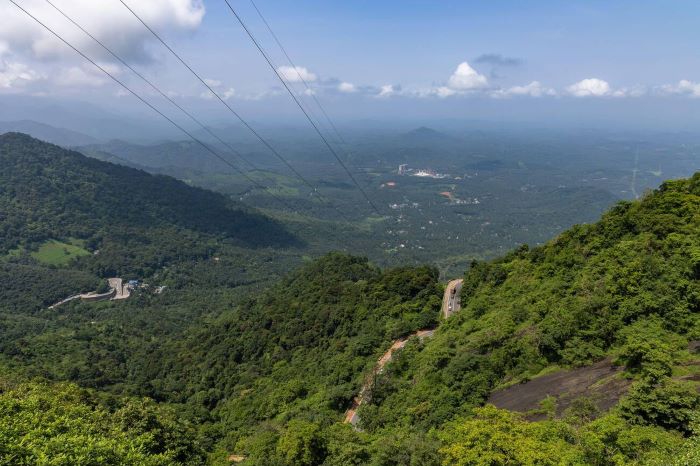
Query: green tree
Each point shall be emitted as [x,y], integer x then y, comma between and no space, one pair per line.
[302,444]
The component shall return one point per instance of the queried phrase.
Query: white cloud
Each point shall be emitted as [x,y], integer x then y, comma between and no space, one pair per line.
[684,87]
[591,87]
[296,74]
[76,76]
[260,95]
[16,75]
[443,92]
[218,86]
[534,89]
[229,93]
[387,90]
[212,82]
[347,88]
[109,21]
[466,78]
[225,94]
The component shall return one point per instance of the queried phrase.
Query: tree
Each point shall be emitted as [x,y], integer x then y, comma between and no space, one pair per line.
[302,444]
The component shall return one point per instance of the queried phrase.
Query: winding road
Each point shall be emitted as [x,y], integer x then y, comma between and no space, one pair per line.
[450,305]
[451,300]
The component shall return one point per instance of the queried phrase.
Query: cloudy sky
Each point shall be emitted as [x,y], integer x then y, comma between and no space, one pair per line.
[373,58]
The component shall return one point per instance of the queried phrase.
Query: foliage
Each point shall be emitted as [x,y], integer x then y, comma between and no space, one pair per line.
[64,425]
[668,403]
[497,437]
[48,193]
[626,286]
[267,373]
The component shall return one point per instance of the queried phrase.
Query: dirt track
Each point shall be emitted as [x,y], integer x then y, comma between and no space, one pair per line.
[450,305]
[351,414]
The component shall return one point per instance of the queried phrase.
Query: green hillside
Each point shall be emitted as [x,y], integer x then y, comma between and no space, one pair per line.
[263,371]
[626,287]
[48,193]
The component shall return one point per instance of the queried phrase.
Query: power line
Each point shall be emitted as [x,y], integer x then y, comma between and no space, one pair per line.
[301,77]
[342,143]
[301,107]
[236,114]
[153,86]
[151,106]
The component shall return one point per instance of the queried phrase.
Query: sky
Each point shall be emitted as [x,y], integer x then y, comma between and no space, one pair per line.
[589,62]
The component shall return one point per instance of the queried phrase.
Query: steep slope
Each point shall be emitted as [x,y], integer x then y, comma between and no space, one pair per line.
[627,288]
[50,193]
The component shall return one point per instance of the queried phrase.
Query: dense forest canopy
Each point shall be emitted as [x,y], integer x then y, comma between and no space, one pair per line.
[229,363]
[50,193]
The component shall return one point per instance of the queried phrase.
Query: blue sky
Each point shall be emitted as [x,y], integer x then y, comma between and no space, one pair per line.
[416,43]
[593,60]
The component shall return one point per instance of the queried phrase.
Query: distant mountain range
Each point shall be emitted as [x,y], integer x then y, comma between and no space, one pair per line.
[59,136]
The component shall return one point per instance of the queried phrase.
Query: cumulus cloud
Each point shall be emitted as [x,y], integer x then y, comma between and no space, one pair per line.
[109,21]
[496,59]
[466,78]
[295,74]
[347,87]
[534,89]
[591,87]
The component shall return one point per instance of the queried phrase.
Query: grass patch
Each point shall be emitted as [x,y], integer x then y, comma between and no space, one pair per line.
[54,252]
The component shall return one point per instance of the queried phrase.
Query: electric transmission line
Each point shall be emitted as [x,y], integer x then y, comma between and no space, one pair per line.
[148,104]
[301,107]
[301,77]
[230,109]
[153,86]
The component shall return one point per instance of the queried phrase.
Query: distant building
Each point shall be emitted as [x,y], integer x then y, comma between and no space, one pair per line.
[403,168]
[429,174]
[133,284]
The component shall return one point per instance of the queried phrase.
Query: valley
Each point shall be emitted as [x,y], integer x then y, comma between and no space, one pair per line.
[269,346]
[497,189]
[324,233]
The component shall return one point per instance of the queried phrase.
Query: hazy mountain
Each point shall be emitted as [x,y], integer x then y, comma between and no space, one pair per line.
[425,135]
[59,136]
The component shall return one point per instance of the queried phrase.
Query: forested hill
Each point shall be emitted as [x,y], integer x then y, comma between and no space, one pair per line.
[47,192]
[266,379]
[623,294]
